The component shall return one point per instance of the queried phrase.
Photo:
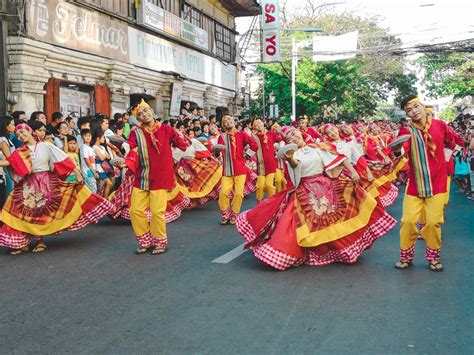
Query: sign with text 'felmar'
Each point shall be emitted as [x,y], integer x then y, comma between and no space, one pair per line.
[270,31]
[64,24]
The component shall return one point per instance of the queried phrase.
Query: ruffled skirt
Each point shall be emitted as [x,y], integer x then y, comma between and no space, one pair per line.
[42,204]
[321,222]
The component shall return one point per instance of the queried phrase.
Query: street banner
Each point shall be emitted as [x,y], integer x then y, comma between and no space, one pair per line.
[331,48]
[270,31]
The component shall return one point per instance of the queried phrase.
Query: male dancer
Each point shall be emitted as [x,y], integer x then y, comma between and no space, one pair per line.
[266,161]
[235,170]
[426,187]
[154,177]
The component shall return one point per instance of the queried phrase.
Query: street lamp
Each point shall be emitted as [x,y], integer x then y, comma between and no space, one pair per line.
[294,64]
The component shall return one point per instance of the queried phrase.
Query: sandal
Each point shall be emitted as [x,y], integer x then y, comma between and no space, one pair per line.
[224,221]
[15,252]
[403,264]
[141,250]
[232,221]
[40,247]
[436,266]
[158,250]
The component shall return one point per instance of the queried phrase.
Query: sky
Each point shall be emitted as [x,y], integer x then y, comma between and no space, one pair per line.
[414,21]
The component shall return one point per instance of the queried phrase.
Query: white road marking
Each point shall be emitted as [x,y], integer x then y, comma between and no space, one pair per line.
[231,255]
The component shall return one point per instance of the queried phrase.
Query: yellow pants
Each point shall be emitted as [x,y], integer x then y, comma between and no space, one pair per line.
[156,202]
[280,181]
[430,210]
[227,184]
[265,184]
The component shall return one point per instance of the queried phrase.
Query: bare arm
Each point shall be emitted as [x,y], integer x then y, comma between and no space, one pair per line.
[5,150]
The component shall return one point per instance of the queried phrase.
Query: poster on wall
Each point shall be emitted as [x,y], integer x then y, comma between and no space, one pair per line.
[176,96]
[74,102]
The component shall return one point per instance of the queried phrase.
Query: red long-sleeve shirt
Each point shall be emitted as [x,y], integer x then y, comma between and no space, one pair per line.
[160,174]
[442,138]
[268,150]
[235,158]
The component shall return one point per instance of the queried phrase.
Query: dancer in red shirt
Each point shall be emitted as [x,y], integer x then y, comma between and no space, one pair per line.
[154,177]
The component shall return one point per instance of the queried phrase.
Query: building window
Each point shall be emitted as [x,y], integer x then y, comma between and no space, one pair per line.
[224,42]
[192,15]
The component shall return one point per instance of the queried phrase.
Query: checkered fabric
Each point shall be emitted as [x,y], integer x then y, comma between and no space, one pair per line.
[244,227]
[389,198]
[432,254]
[92,216]
[276,258]
[146,240]
[175,207]
[14,239]
[351,253]
[407,254]
[228,214]
[250,184]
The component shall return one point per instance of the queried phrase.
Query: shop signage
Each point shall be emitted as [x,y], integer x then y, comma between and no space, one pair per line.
[156,53]
[154,17]
[64,24]
[270,31]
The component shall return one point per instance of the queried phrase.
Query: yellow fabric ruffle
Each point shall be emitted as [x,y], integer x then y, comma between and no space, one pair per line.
[55,226]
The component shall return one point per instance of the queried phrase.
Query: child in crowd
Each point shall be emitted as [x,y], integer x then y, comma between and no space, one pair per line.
[88,161]
[102,165]
[73,153]
[48,137]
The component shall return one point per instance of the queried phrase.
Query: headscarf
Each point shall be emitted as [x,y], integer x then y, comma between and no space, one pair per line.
[23,126]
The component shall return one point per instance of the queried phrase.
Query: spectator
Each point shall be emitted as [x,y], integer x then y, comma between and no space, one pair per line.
[87,158]
[7,127]
[19,115]
[39,116]
[39,130]
[73,153]
[60,140]
[56,119]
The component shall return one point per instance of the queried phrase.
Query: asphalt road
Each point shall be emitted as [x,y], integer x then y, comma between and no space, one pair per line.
[89,293]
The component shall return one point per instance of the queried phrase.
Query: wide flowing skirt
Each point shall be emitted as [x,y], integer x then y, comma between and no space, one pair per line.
[42,204]
[199,179]
[321,222]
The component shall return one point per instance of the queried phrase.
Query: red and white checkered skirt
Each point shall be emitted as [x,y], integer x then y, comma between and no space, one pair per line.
[38,219]
[270,230]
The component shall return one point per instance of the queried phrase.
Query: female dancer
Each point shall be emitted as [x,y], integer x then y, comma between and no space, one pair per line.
[42,203]
[321,221]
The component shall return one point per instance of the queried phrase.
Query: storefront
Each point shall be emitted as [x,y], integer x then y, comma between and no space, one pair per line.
[75,59]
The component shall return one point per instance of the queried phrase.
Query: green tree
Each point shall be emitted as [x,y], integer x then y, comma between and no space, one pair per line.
[448,74]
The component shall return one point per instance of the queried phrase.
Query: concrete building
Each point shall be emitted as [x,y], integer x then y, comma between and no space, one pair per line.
[100,56]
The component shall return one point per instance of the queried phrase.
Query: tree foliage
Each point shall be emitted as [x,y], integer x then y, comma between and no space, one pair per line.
[448,74]
[351,88]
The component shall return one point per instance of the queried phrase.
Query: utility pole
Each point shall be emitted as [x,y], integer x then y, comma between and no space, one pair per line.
[3,57]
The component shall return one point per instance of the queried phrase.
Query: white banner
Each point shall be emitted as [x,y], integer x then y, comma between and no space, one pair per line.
[176,96]
[331,48]
[270,31]
[156,53]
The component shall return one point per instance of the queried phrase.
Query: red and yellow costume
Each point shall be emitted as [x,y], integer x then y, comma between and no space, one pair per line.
[426,188]
[234,171]
[154,178]
[320,221]
[42,202]
[266,163]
